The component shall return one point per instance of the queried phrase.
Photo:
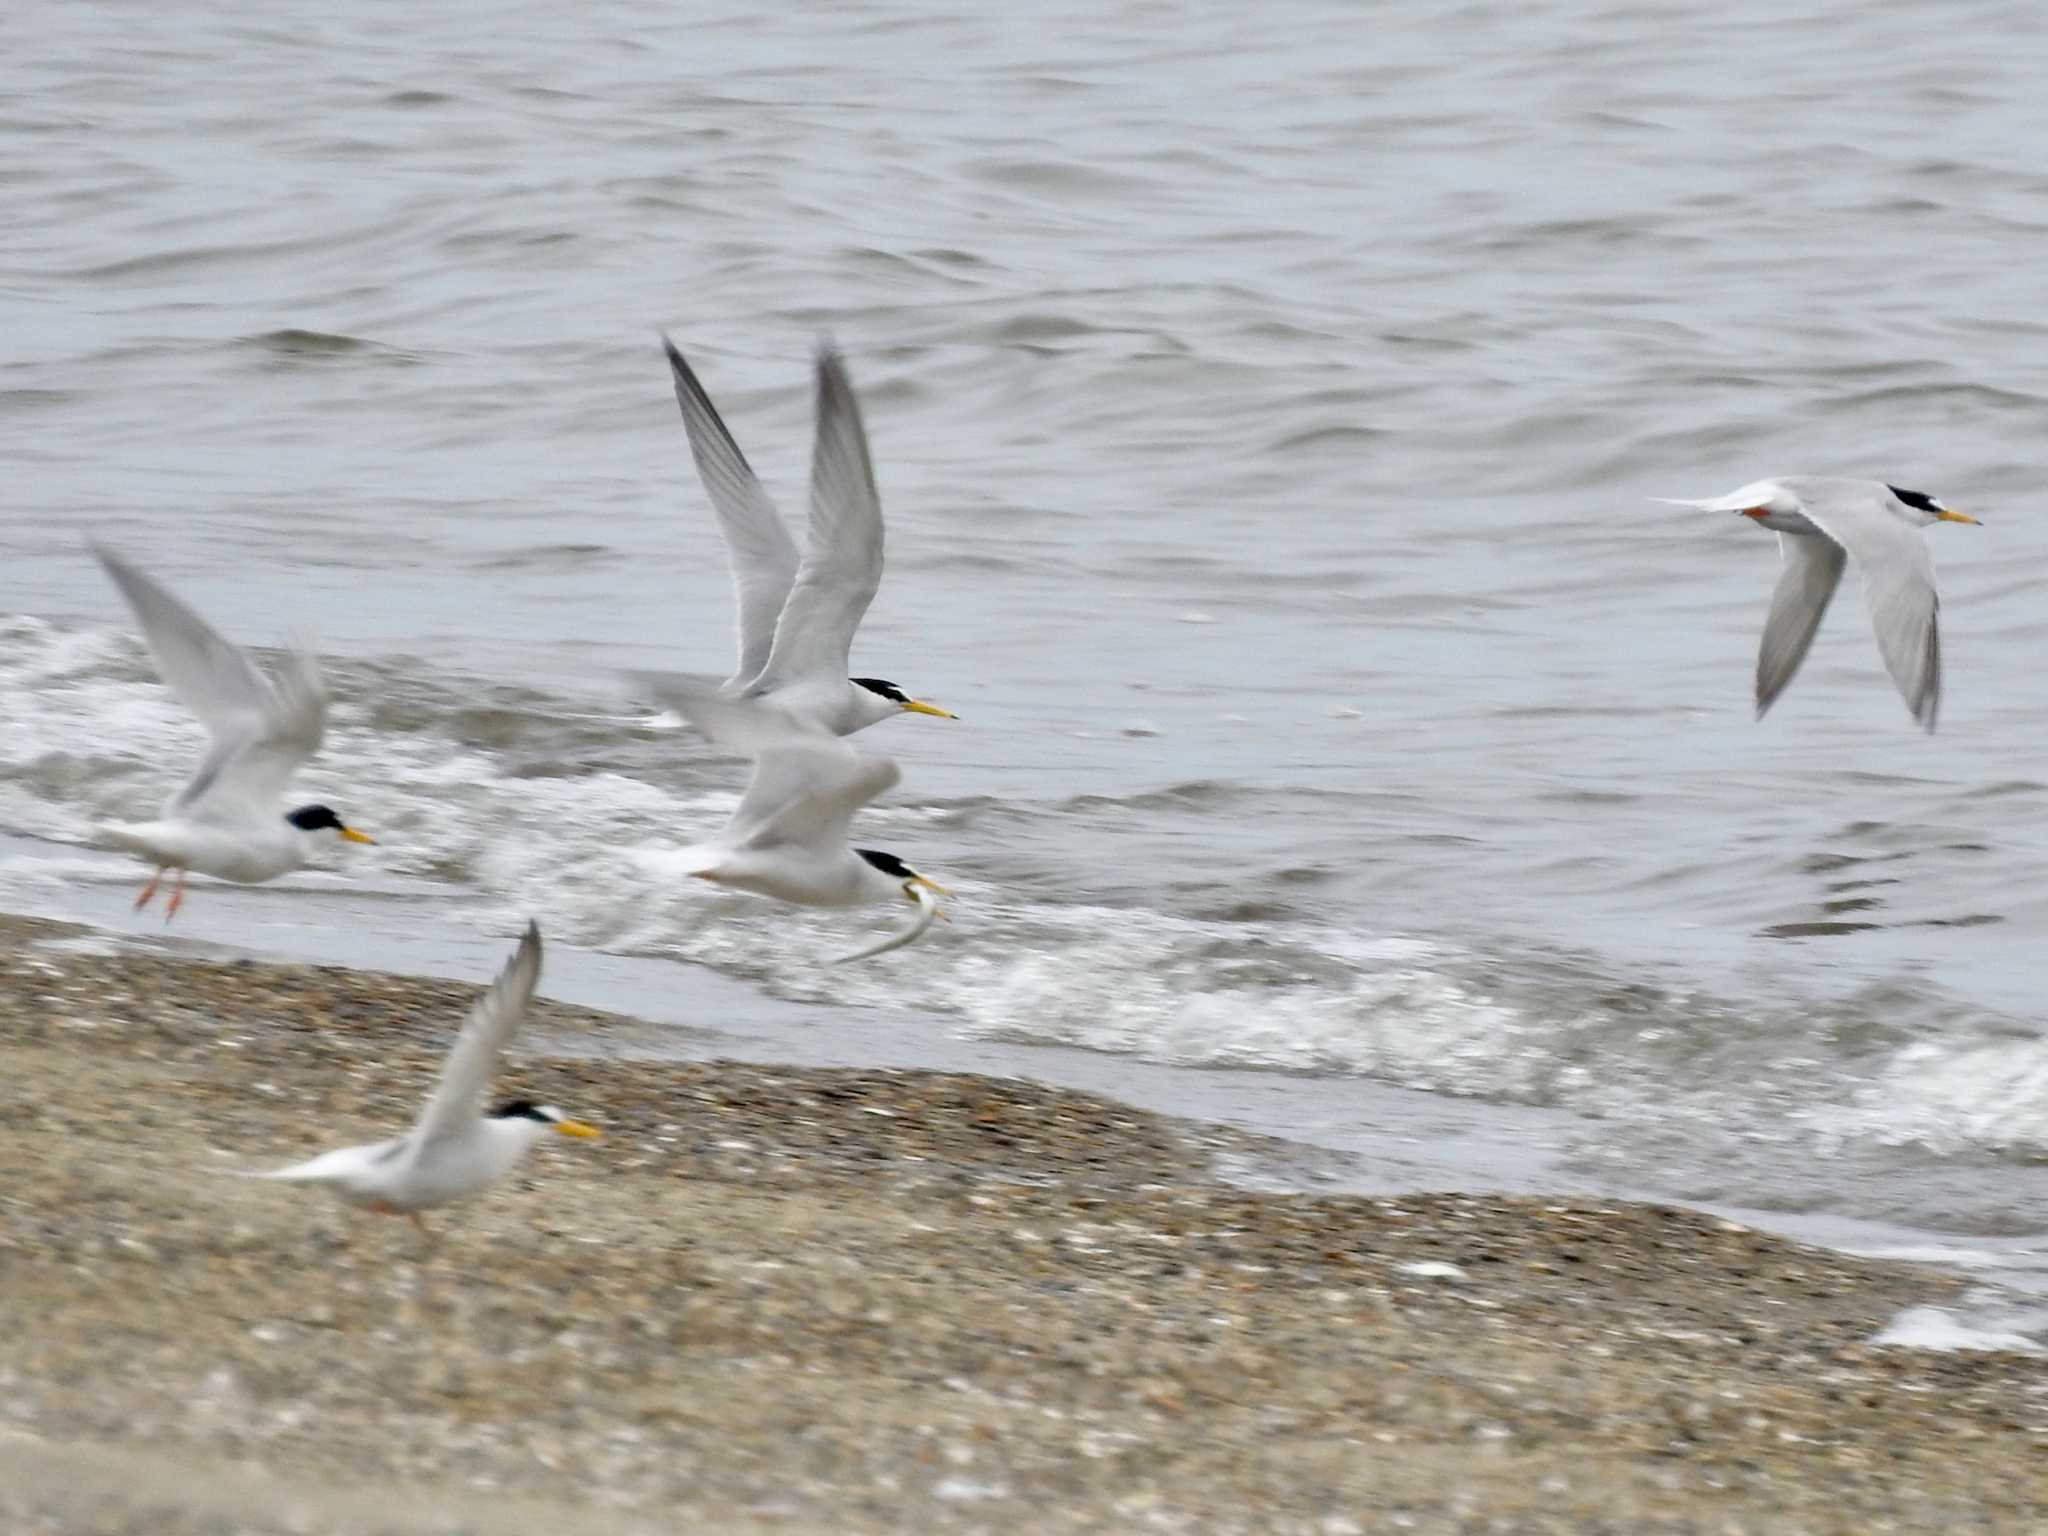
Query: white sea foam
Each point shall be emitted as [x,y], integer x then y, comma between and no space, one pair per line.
[1948,1096]
[491,806]
[598,852]
[1936,1328]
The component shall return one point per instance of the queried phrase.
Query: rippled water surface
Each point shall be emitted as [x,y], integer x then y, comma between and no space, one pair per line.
[1265,403]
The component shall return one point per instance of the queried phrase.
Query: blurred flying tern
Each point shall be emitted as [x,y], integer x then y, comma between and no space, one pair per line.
[789,836]
[451,1152]
[797,617]
[1821,522]
[228,821]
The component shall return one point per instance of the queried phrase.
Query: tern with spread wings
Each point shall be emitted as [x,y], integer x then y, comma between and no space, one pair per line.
[229,820]
[789,838]
[1821,523]
[452,1151]
[797,616]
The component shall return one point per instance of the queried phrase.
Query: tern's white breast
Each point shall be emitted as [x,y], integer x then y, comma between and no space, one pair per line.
[247,855]
[799,875]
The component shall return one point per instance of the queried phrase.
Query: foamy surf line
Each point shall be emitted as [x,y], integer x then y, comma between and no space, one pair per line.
[1998,1328]
[596,851]
[494,804]
[1344,1134]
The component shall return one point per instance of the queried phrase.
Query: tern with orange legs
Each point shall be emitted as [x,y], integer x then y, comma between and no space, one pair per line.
[229,819]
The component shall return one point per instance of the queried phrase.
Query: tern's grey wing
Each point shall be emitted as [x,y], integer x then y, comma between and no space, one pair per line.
[733,723]
[455,1105]
[804,794]
[793,757]
[1812,569]
[247,773]
[763,555]
[262,730]
[842,566]
[1898,581]
[215,680]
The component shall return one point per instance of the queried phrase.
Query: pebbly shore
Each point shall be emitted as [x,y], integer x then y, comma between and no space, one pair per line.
[875,1301]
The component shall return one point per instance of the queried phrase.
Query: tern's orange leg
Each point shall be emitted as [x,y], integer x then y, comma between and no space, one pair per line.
[148,891]
[386,1208]
[177,897]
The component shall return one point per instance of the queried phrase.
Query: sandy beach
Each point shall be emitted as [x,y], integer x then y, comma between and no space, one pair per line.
[834,1301]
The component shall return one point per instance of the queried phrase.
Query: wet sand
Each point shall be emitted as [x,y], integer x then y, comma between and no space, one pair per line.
[846,1301]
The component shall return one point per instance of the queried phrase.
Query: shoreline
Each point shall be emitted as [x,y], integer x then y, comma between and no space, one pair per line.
[802,1298]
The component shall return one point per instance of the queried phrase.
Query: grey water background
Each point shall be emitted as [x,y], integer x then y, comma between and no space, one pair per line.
[1265,402]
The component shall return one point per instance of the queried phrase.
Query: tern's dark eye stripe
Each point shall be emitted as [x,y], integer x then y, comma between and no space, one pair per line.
[887,690]
[1917,500]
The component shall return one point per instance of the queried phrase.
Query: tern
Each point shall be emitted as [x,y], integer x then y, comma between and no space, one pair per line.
[451,1152]
[229,820]
[789,837]
[796,617]
[1821,522]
